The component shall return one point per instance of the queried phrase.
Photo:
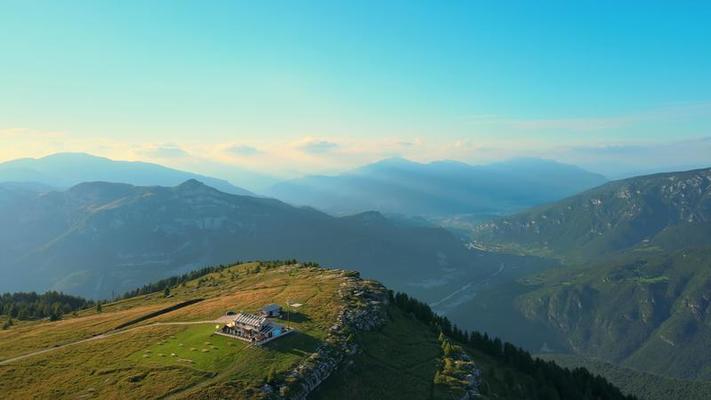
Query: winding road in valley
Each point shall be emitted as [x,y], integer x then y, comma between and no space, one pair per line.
[465,290]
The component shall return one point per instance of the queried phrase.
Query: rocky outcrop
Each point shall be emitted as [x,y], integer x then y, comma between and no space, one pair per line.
[362,310]
[458,366]
[471,377]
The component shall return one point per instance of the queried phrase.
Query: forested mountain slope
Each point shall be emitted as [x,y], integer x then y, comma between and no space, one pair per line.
[670,211]
[635,288]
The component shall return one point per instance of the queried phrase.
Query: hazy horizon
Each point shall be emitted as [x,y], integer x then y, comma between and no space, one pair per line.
[257,181]
[228,88]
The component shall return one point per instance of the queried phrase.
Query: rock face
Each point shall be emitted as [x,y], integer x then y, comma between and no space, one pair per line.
[472,376]
[458,366]
[362,311]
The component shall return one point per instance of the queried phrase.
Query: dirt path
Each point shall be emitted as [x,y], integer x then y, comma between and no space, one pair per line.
[99,337]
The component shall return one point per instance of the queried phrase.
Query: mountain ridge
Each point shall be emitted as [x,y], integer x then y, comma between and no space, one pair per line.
[62,170]
[107,232]
[437,189]
[631,210]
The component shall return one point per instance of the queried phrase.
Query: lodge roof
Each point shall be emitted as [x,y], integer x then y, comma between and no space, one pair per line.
[250,320]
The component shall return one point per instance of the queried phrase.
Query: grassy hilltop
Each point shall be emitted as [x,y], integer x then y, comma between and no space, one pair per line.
[176,355]
[353,340]
[152,358]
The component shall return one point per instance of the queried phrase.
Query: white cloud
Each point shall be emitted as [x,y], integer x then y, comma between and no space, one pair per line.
[242,150]
[165,151]
[317,146]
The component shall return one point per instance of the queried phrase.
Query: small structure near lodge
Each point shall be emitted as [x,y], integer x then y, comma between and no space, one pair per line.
[271,310]
[255,329]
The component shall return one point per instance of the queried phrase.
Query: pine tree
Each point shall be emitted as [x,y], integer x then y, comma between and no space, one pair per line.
[438,379]
[98,307]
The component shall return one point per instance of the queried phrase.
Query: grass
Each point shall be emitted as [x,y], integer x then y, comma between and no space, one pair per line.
[139,362]
[398,361]
[194,346]
[96,369]
[28,336]
[187,361]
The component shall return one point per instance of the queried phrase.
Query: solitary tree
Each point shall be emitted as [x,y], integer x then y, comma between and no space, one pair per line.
[98,307]
[166,292]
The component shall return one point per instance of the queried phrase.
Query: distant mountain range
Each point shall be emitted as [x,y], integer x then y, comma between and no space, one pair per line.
[63,170]
[636,286]
[443,188]
[396,187]
[619,273]
[100,237]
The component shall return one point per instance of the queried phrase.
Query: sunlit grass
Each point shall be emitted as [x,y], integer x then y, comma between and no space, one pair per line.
[148,360]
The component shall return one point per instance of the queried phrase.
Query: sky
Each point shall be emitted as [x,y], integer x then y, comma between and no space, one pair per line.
[287,88]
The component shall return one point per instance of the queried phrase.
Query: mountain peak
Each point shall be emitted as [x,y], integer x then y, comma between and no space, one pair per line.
[192,184]
[77,156]
[368,217]
[392,162]
[65,170]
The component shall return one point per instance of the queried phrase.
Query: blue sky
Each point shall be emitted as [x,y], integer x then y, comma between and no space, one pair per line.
[298,87]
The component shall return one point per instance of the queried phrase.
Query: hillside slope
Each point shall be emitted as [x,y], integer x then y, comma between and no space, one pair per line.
[645,311]
[145,347]
[63,170]
[635,287]
[671,211]
[98,238]
[645,385]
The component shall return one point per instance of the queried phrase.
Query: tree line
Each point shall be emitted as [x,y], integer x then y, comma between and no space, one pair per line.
[166,284]
[552,382]
[173,281]
[30,305]
[53,305]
